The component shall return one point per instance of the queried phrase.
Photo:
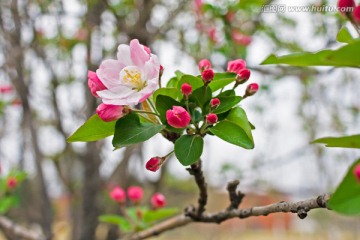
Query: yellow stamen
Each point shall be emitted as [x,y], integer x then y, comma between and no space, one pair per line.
[133,77]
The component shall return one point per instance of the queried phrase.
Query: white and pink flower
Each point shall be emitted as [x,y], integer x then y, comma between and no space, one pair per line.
[131,78]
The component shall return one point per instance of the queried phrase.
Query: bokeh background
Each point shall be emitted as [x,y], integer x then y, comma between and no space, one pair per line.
[46,48]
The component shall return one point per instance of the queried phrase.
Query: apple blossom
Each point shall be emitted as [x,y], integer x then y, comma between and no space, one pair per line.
[131,78]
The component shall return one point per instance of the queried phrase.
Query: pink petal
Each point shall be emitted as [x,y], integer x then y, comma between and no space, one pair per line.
[108,73]
[152,68]
[138,54]
[123,55]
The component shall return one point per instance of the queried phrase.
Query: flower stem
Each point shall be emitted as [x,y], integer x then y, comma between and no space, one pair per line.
[169,154]
[140,111]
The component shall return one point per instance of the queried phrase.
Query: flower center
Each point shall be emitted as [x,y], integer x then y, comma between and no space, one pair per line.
[131,76]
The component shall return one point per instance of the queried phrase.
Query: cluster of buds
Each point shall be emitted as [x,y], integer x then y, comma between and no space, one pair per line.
[135,195]
[207,73]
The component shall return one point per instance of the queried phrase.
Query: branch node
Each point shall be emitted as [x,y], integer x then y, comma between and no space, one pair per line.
[302,212]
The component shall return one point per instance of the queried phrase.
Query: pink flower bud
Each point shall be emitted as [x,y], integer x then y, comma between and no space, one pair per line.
[186,89]
[11,183]
[118,195]
[110,113]
[357,172]
[204,64]
[161,71]
[357,14]
[346,6]
[154,164]
[135,194]
[6,89]
[158,200]
[208,75]
[243,75]
[178,117]
[251,89]
[240,38]
[211,118]
[95,83]
[214,103]
[236,65]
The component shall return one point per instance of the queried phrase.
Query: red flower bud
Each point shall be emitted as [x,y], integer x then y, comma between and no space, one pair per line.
[236,65]
[251,89]
[346,6]
[204,64]
[243,75]
[178,117]
[357,14]
[158,200]
[118,195]
[161,71]
[357,172]
[95,83]
[109,113]
[211,118]
[186,89]
[6,89]
[135,194]
[11,183]
[208,75]
[215,102]
[154,164]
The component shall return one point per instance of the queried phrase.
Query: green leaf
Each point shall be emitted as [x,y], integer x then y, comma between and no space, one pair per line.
[188,149]
[172,83]
[342,57]
[130,130]
[346,198]
[201,96]
[344,36]
[122,222]
[226,103]
[170,92]
[238,116]
[235,129]
[164,103]
[6,203]
[342,142]
[92,130]
[195,82]
[155,215]
[221,80]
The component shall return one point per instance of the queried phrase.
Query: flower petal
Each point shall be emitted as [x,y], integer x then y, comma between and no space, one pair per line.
[108,72]
[115,93]
[138,54]
[123,55]
[152,67]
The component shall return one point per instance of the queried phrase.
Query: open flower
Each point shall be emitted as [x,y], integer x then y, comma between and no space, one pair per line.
[131,78]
